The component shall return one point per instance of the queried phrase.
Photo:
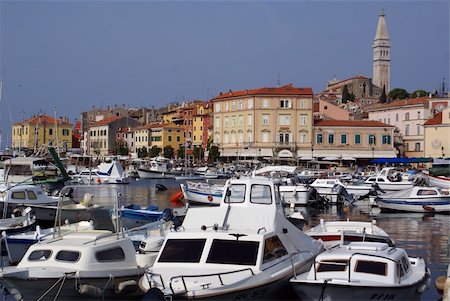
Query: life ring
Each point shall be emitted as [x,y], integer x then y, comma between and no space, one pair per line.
[177,197]
[99,181]
[210,198]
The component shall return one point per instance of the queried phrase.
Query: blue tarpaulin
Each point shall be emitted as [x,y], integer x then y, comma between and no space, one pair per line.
[400,160]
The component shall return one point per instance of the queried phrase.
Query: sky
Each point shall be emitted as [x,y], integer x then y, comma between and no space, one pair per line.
[64,57]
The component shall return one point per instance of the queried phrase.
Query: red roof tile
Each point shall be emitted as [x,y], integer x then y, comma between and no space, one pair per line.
[284,90]
[400,103]
[42,119]
[437,119]
[107,120]
[352,123]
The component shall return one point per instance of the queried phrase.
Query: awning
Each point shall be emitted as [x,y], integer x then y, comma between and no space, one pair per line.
[242,152]
[347,158]
[306,157]
[330,158]
[400,160]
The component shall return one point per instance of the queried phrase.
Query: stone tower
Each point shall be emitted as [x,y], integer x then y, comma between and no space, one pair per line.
[381,55]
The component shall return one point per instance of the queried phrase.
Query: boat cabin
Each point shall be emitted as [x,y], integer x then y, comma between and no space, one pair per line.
[366,262]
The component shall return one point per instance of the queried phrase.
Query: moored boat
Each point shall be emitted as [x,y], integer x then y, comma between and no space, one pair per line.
[197,262]
[416,199]
[202,192]
[363,271]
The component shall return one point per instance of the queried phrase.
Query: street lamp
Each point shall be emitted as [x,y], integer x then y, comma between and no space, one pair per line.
[443,154]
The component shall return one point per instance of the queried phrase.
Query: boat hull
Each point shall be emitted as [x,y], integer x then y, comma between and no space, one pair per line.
[69,289]
[201,197]
[341,292]
[411,205]
[443,182]
[294,195]
[149,174]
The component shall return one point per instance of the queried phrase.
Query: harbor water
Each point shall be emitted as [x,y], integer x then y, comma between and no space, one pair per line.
[421,235]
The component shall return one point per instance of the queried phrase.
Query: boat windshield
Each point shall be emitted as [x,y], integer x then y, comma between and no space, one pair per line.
[235,194]
[243,252]
[182,250]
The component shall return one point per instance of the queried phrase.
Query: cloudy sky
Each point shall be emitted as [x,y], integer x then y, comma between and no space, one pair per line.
[67,56]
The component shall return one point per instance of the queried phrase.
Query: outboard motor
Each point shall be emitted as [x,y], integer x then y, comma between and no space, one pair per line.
[342,192]
[167,215]
[376,187]
[317,199]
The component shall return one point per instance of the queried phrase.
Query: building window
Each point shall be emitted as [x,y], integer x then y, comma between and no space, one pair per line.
[50,131]
[249,119]
[418,129]
[226,121]
[417,147]
[216,122]
[265,119]
[302,104]
[250,137]
[284,137]
[344,139]
[357,138]
[303,119]
[233,121]
[241,120]
[319,138]
[217,107]
[250,103]
[406,116]
[330,138]
[285,104]
[265,136]
[372,139]
[265,104]
[226,106]
[407,130]
[170,138]
[386,139]
[284,120]
[302,137]
[396,117]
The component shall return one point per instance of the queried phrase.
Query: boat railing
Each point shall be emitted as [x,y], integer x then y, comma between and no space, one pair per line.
[348,263]
[113,199]
[219,276]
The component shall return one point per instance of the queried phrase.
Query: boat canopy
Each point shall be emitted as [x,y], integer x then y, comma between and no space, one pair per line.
[401,160]
[276,168]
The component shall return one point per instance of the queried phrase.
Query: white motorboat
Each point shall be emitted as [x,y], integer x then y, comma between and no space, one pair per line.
[363,271]
[342,232]
[292,191]
[17,224]
[156,168]
[202,192]
[83,264]
[105,173]
[416,199]
[325,186]
[243,248]
[439,181]
[389,179]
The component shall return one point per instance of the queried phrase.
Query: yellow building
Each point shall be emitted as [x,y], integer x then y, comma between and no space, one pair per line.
[142,136]
[41,130]
[437,135]
[266,122]
[166,134]
[201,117]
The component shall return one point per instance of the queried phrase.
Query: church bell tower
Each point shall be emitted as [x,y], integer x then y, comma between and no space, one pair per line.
[382,55]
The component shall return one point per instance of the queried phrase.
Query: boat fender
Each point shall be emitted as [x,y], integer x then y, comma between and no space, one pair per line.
[125,287]
[177,197]
[90,290]
[210,198]
[428,208]
[440,283]
[99,181]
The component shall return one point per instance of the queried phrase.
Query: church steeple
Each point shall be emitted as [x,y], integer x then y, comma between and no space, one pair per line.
[381,54]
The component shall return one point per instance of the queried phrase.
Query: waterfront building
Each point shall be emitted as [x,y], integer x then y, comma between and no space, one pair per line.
[327,110]
[31,134]
[166,134]
[352,140]
[125,136]
[202,120]
[265,122]
[437,135]
[142,137]
[360,86]
[408,115]
[382,55]
[101,135]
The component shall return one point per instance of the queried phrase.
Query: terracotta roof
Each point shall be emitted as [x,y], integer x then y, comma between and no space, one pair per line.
[352,123]
[400,103]
[284,90]
[107,120]
[437,119]
[42,119]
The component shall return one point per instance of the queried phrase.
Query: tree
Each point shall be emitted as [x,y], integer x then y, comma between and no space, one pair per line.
[199,152]
[383,95]
[142,152]
[398,93]
[155,151]
[213,154]
[122,148]
[419,93]
[345,94]
[168,152]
